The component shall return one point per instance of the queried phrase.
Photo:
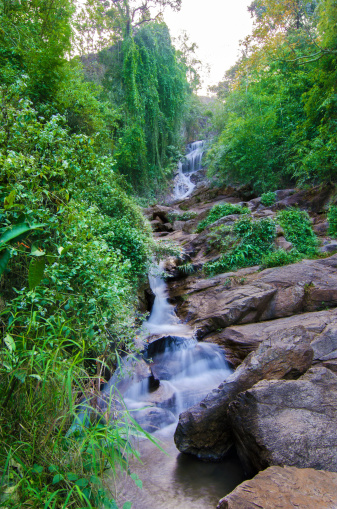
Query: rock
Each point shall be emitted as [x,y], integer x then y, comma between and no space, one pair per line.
[330,247]
[211,304]
[321,228]
[285,488]
[282,422]
[160,344]
[204,430]
[158,212]
[303,286]
[154,418]
[239,340]
[325,344]
[219,307]
[282,243]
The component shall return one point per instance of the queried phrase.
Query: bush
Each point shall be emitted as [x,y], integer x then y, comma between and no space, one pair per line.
[254,239]
[280,257]
[332,219]
[298,230]
[221,210]
[268,199]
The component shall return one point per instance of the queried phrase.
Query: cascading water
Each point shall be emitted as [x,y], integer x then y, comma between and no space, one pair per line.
[183,186]
[187,371]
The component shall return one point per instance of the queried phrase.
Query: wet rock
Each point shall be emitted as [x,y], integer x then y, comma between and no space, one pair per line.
[205,430]
[281,422]
[154,418]
[160,344]
[239,340]
[285,488]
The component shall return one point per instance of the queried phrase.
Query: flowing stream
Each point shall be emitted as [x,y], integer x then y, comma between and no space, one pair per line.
[187,371]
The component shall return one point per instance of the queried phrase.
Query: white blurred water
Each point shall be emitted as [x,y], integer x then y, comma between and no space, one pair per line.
[183,186]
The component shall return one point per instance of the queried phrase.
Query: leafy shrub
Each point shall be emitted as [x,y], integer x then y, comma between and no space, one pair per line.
[185,216]
[298,230]
[254,239]
[268,199]
[221,210]
[281,257]
[332,219]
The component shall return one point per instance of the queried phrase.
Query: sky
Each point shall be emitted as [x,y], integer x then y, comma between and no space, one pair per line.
[216,26]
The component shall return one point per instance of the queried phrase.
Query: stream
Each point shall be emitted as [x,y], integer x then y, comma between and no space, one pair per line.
[186,370]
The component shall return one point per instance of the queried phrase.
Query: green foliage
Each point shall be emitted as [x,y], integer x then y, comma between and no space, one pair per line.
[281,257]
[73,249]
[332,219]
[185,216]
[298,230]
[268,199]
[277,126]
[218,211]
[253,240]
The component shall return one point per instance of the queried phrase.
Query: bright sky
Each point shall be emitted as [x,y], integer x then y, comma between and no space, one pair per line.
[216,26]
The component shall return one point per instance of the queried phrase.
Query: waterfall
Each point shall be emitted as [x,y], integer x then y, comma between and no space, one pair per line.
[183,186]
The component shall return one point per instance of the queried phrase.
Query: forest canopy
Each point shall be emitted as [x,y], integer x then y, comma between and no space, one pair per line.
[278,122]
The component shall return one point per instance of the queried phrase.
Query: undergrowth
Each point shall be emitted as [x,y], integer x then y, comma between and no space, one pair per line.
[332,219]
[268,199]
[298,230]
[252,240]
[219,211]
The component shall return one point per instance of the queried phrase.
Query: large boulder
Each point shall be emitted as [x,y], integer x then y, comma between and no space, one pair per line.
[282,422]
[205,430]
[240,340]
[212,304]
[285,488]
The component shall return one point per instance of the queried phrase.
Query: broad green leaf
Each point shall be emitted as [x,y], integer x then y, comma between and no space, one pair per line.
[17,231]
[127,505]
[36,272]
[37,377]
[57,478]
[35,251]
[10,343]
[4,259]
[20,375]
[37,469]
[71,476]
[82,483]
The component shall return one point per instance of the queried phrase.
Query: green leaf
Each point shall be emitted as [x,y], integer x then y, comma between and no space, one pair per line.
[71,476]
[35,251]
[137,481]
[17,231]
[57,478]
[82,483]
[37,469]
[10,343]
[127,505]
[36,272]
[52,468]
[9,200]
[95,480]
[4,259]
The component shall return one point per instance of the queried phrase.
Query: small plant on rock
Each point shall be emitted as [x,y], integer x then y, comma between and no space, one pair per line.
[219,211]
[268,199]
[298,230]
[332,219]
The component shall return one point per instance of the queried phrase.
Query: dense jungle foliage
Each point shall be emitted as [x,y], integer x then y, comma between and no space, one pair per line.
[277,123]
[74,246]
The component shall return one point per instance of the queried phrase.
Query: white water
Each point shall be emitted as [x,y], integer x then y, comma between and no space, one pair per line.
[187,371]
[163,319]
[183,186]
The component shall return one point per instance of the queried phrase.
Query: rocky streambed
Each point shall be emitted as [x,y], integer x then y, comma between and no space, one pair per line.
[278,330]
